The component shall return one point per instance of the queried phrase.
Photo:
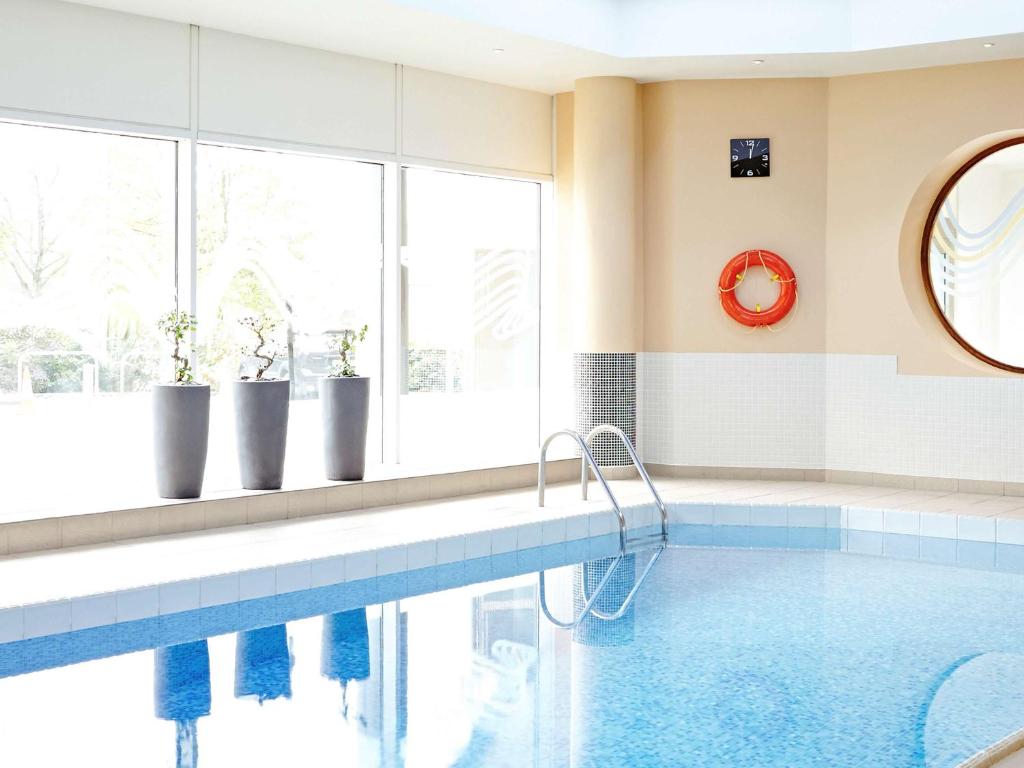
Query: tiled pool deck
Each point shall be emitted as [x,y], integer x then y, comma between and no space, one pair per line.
[59,591]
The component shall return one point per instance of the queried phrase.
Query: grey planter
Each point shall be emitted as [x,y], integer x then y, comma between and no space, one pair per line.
[181,434]
[345,404]
[261,431]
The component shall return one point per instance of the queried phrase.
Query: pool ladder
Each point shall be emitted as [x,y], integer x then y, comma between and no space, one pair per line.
[626,545]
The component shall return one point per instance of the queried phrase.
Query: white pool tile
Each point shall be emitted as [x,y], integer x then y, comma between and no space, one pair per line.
[902,521]
[479,544]
[360,565]
[326,571]
[729,514]
[865,519]
[553,531]
[1010,531]
[96,611]
[601,523]
[937,525]
[693,514]
[452,549]
[179,596]
[423,554]
[256,583]
[833,517]
[135,604]
[504,539]
[12,624]
[218,590]
[772,516]
[970,528]
[530,535]
[392,560]
[806,517]
[577,527]
[47,618]
[293,577]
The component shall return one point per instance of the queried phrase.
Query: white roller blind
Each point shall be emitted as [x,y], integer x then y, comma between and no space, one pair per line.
[250,87]
[457,120]
[67,59]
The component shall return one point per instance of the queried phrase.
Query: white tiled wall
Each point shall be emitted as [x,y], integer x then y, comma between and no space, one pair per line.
[932,426]
[732,410]
[818,411]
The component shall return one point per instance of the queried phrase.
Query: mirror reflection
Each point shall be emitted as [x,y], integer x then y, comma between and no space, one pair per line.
[975,269]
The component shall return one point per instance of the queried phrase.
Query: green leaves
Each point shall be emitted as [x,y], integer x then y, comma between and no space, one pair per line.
[175,325]
[345,344]
[262,327]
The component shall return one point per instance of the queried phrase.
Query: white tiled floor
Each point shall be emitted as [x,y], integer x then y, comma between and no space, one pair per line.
[75,588]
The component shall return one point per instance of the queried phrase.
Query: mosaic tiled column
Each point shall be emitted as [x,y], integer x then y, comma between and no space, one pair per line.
[593,631]
[604,385]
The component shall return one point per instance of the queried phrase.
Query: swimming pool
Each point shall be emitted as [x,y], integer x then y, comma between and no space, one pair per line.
[745,646]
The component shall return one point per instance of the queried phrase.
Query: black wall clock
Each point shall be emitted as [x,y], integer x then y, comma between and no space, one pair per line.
[749,158]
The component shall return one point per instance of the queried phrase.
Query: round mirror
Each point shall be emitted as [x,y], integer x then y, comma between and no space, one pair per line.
[971,255]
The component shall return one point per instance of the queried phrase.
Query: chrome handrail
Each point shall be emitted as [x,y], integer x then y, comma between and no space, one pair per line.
[588,606]
[585,479]
[587,462]
[587,458]
[629,598]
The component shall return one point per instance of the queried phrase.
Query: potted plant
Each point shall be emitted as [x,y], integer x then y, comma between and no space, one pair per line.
[345,405]
[181,418]
[261,414]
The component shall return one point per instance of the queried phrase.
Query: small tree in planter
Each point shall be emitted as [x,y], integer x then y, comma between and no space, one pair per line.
[345,405]
[261,412]
[181,417]
[262,350]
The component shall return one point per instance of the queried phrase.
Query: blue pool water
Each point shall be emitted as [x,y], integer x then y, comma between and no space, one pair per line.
[728,657]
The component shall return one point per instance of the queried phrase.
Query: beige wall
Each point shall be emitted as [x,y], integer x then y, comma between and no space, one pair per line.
[856,164]
[458,120]
[607,216]
[894,138]
[696,217]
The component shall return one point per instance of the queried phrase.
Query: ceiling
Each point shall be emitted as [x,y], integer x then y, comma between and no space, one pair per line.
[546,45]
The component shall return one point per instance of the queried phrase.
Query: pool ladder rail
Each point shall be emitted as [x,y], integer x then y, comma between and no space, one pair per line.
[626,545]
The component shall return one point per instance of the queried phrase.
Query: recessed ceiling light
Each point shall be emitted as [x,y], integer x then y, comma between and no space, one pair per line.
[988,45]
[497,50]
[758,61]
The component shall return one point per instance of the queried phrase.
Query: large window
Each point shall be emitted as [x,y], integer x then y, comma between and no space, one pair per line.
[95,245]
[470,316]
[298,239]
[87,261]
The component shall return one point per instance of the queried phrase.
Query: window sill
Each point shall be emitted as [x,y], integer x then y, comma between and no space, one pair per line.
[89,522]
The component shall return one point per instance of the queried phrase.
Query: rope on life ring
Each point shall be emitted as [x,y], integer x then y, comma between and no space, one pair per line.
[778,271]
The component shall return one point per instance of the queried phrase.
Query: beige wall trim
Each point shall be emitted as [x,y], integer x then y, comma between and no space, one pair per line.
[734,473]
[262,507]
[993,756]
[909,482]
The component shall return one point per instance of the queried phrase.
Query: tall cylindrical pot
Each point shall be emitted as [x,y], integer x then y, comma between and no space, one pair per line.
[261,431]
[181,434]
[345,404]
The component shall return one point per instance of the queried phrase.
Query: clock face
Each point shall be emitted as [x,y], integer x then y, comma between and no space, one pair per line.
[749,158]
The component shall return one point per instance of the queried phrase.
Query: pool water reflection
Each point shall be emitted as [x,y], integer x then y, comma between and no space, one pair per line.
[728,657]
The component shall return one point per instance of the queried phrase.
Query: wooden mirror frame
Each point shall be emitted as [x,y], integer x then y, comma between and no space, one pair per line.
[929,224]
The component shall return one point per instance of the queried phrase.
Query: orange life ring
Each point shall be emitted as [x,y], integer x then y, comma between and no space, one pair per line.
[733,275]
